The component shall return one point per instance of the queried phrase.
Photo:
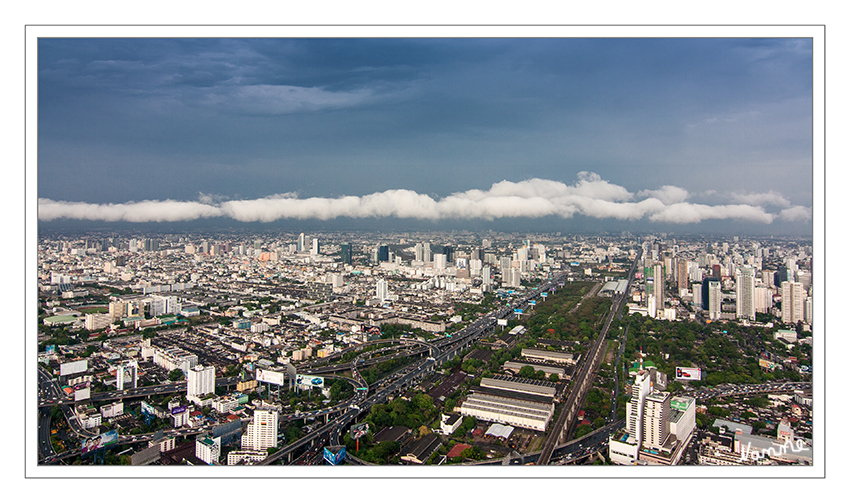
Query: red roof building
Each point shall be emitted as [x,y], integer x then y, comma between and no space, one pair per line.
[457,449]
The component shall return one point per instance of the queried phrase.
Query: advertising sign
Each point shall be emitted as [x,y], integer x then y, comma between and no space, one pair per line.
[308,380]
[767,364]
[51,349]
[83,393]
[532,302]
[517,311]
[359,430]
[92,444]
[681,405]
[688,374]
[147,409]
[73,367]
[502,323]
[178,410]
[544,295]
[334,458]
[270,376]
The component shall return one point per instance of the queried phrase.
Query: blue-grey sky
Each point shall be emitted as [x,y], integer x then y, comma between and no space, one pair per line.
[661,131]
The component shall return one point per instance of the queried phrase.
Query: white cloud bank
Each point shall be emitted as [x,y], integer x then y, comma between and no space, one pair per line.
[589,196]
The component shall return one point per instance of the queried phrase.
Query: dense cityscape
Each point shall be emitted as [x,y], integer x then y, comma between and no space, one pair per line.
[449,348]
[359,252]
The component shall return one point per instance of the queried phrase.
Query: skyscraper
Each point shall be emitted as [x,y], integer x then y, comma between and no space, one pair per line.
[345,253]
[656,419]
[634,408]
[300,247]
[315,249]
[658,285]
[200,381]
[745,304]
[440,261]
[792,302]
[383,253]
[712,298]
[382,290]
[262,431]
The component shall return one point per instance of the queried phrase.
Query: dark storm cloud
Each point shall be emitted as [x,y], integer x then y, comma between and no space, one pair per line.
[165,119]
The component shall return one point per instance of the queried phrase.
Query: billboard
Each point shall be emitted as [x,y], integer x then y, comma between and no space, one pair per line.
[147,409]
[532,302]
[308,380]
[82,393]
[767,365]
[51,349]
[270,376]
[359,430]
[688,374]
[502,323]
[517,311]
[73,367]
[92,444]
[334,458]
[178,410]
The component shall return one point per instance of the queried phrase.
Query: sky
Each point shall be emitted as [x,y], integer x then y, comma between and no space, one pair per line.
[665,134]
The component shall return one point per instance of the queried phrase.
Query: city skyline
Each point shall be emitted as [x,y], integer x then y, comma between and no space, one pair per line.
[677,135]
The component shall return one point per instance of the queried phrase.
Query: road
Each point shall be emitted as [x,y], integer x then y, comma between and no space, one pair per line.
[582,378]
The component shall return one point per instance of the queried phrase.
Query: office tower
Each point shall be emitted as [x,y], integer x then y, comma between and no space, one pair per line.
[299,246]
[697,287]
[635,407]
[440,261]
[419,252]
[486,280]
[712,298]
[382,290]
[682,274]
[200,381]
[745,303]
[715,271]
[656,419]
[426,252]
[449,252]
[475,266]
[315,249]
[262,431]
[808,315]
[383,253]
[780,276]
[504,265]
[658,286]
[792,302]
[485,243]
[516,278]
[345,253]
[763,299]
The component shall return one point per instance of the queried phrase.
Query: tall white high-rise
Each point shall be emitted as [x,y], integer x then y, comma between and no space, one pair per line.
[382,291]
[426,252]
[792,302]
[485,275]
[315,249]
[656,419]
[262,431]
[301,245]
[745,304]
[200,381]
[715,300]
[635,407]
[440,261]
[419,252]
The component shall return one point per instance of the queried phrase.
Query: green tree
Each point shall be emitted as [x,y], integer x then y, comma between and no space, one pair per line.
[175,375]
